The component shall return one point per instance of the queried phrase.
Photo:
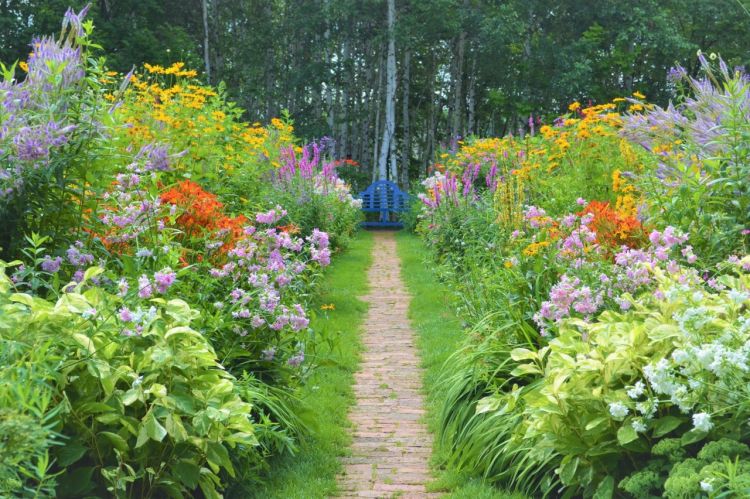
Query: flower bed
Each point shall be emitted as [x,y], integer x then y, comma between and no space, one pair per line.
[601,269]
[154,294]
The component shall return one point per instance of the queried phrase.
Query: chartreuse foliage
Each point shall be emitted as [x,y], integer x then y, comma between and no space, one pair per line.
[153,413]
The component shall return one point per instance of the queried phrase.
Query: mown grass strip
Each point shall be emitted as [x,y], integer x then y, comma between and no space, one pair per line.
[440,333]
[327,395]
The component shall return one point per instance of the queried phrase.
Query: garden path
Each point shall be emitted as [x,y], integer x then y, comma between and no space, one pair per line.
[391,446]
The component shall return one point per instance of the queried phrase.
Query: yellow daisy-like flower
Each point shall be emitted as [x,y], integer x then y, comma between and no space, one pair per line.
[638,95]
[330,306]
[23,66]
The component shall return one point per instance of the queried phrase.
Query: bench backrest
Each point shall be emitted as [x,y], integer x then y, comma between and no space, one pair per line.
[384,195]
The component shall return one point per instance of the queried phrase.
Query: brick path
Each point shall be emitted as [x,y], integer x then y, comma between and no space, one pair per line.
[391,447]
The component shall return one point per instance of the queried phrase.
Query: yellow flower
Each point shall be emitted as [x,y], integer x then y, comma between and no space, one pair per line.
[23,66]
[575,106]
[533,248]
[638,95]
[330,306]
[508,264]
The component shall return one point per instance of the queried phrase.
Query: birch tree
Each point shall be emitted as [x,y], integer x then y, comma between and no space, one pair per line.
[387,149]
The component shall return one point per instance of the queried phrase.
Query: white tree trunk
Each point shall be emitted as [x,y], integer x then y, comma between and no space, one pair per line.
[206,57]
[387,147]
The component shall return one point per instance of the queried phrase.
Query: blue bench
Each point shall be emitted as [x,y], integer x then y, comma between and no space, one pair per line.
[384,197]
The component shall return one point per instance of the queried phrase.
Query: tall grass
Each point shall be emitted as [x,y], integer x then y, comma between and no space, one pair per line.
[452,384]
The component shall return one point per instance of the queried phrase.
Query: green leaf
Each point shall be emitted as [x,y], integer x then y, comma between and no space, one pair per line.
[665,424]
[626,434]
[519,354]
[525,369]
[606,489]
[182,330]
[692,436]
[154,430]
[73,302]
[186,472]
[115,440]
[85,342]
[70,453]
[130,397]
[76,483]
[22,298]
[92,272]
[568,471]
[175,428]
[488,404]
[596,422]
[219,456]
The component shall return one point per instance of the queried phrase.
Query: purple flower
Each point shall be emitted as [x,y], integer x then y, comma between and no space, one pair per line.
[125,314]
[296,360]
[270,217]
[164,279]
[51,265]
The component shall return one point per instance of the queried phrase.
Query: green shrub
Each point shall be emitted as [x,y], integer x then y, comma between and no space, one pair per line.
[153,413]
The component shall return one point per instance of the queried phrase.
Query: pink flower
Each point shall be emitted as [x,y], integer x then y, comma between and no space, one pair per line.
[164,279]
[145,288]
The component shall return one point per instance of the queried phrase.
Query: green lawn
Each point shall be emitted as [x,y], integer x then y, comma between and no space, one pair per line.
[440,334]
[311,473]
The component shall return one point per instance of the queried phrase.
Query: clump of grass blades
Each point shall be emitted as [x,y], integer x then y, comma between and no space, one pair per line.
[487,443]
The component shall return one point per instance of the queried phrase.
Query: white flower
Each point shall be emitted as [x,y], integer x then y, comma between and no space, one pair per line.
[706,486]
[637,390]
[618,410]
[639,426]
[702,422]
[680,356]
[738,296]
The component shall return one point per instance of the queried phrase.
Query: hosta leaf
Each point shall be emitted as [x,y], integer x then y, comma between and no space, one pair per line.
[525,369]
[519,354]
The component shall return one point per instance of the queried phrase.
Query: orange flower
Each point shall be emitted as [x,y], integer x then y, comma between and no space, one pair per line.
[614,229]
